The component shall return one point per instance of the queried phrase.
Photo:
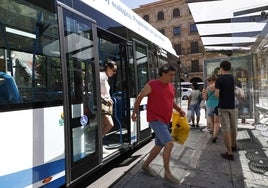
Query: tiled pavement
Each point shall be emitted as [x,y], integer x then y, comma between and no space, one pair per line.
[198,163]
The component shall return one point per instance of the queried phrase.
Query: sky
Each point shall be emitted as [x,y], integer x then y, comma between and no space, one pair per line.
[136,3]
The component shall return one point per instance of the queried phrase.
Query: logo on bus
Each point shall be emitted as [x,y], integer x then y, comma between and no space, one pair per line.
[83,120]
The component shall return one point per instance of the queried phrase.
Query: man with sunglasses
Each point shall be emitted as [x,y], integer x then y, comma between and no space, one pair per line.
[161,93]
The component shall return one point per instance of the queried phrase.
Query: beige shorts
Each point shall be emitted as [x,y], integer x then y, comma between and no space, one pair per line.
[228,119]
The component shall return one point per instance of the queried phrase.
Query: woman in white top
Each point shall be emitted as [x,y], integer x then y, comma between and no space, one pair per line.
[194,104]
[109,70]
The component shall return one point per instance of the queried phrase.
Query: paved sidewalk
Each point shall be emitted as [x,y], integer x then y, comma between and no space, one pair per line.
[199,164]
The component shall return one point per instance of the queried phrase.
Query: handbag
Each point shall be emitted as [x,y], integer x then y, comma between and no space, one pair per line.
[188,115]
[203,104]
[180,128]
[106,108]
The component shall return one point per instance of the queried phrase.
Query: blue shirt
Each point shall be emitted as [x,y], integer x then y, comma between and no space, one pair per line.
[212,100]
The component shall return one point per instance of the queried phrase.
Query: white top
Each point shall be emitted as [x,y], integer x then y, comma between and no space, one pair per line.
[195,96]
[104,84]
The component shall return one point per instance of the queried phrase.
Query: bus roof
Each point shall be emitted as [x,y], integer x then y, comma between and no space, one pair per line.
[119,12]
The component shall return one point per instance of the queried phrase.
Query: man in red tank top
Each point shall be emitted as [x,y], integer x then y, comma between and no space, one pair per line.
[161,93]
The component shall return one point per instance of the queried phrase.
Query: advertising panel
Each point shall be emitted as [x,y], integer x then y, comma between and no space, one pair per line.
[243,72]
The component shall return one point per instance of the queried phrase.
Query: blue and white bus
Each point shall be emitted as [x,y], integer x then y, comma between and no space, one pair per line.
[50,55]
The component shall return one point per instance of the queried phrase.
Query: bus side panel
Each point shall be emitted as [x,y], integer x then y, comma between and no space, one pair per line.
[32,147]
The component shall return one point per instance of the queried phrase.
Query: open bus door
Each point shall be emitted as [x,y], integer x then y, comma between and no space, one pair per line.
[114,47]
[141,76]
[78,36]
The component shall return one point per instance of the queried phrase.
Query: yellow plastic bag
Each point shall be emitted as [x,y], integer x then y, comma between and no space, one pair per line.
[180,128]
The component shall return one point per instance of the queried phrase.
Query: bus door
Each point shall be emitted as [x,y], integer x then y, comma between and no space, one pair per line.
[114,47]
[141,69]
[80,62]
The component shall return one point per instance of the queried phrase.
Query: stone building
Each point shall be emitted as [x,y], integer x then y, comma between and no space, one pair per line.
[173,19]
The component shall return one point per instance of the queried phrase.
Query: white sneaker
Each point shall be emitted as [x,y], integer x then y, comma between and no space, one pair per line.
[207,130]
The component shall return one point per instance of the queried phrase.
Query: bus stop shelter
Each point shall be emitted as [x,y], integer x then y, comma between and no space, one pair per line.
[238,29]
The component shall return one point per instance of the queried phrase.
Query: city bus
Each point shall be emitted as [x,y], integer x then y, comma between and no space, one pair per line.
[51,53]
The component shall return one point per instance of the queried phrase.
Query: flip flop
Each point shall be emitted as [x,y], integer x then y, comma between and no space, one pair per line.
[255,156]
[149,171]
[173,180]
[258,167]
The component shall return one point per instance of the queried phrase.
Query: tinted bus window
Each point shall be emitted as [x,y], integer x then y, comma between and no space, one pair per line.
[29,53]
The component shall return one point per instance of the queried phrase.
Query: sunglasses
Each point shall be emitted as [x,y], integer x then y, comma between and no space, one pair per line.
[167,68]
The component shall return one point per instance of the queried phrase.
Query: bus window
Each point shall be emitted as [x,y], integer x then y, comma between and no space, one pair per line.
[30,53]
[141,55]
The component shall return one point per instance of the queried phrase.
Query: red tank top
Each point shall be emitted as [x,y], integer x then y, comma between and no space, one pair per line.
[160,101]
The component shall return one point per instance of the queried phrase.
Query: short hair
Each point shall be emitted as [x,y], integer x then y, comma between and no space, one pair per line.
[226,65]
[195,85]
[166,68]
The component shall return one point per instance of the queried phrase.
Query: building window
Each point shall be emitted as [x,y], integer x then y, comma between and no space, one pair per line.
[193,28]
[162,31]
[176,31]
[146,18]
[194,47]
[176,12]
[195,65]
[160,16]
[177,48]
